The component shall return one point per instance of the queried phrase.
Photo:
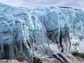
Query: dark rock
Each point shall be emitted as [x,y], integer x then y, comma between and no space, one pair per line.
[36,60]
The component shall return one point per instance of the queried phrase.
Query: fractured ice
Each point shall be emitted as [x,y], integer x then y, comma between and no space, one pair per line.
[27,32]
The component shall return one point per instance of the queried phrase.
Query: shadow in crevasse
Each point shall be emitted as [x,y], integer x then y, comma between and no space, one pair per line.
[4,54]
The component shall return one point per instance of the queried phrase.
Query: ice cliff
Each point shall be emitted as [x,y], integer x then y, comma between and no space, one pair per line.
[27,32]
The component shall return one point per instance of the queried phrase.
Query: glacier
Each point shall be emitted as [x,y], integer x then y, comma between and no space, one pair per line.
[37,32]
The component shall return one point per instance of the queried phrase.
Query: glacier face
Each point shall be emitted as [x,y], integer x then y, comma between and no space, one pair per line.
[28,32]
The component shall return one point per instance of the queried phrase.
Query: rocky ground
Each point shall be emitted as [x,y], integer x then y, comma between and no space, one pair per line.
[55,58]
[59,58]
[12,61]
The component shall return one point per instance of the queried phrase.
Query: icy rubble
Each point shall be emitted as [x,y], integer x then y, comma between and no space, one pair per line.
[38,32]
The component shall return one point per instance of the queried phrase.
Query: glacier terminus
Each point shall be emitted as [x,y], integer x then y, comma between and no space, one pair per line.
[39,32]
